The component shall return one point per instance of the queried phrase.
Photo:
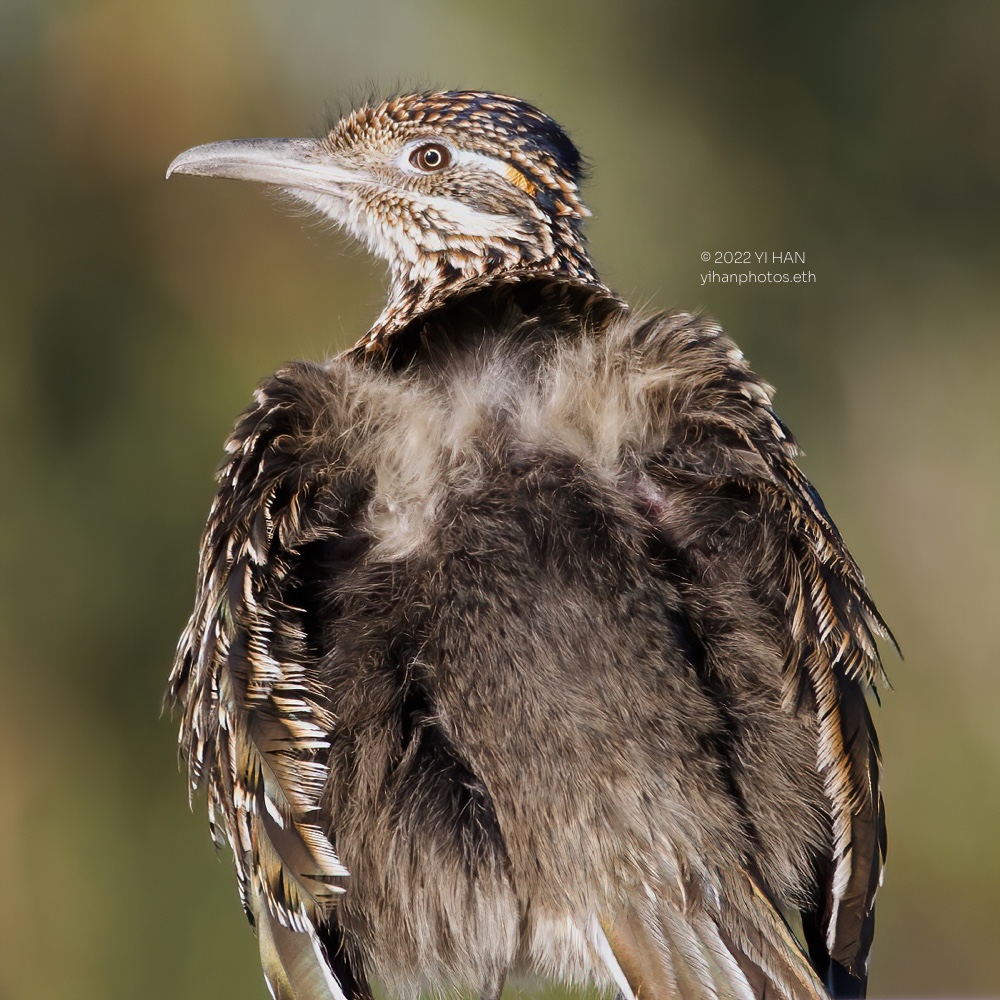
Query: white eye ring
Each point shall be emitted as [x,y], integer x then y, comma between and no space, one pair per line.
[430,157]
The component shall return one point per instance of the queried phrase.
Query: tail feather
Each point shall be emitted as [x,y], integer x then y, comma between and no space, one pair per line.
[745,951]
[672,954]
[294,963]
[763,940]
[694,971]
[725,965]
[640,954]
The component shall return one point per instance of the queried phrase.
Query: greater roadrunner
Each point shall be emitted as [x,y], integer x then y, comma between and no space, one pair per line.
[521,645]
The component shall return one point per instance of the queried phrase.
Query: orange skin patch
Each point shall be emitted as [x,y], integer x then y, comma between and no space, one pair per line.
[520,181]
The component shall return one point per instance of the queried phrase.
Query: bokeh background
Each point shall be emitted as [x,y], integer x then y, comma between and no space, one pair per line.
[137,315]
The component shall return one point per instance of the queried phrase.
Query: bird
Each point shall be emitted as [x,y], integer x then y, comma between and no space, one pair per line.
[522,649]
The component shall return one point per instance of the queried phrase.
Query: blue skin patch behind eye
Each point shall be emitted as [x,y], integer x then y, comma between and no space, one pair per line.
[535,131]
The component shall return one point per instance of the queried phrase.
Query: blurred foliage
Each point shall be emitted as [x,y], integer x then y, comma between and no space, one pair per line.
[136,316]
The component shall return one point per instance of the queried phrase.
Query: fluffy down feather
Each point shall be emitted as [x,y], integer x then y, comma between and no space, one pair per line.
[531,624]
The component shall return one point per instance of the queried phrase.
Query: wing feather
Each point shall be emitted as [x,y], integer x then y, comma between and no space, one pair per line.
[255,724]
[722,432]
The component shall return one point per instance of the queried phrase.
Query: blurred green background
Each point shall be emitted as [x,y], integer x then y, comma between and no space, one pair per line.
[136,316]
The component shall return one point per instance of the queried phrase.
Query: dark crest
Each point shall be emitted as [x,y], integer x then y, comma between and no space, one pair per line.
[533,142]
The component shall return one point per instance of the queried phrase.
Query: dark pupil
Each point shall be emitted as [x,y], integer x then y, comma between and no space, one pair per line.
[432,157]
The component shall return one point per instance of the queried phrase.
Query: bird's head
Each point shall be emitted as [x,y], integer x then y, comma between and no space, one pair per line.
[447,187]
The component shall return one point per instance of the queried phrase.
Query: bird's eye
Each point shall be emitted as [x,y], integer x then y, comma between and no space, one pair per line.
[430,157]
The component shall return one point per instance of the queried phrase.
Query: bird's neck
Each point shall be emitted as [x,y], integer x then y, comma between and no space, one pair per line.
[432,279]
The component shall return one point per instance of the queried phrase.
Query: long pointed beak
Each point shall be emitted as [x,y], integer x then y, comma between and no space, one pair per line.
[295,164]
